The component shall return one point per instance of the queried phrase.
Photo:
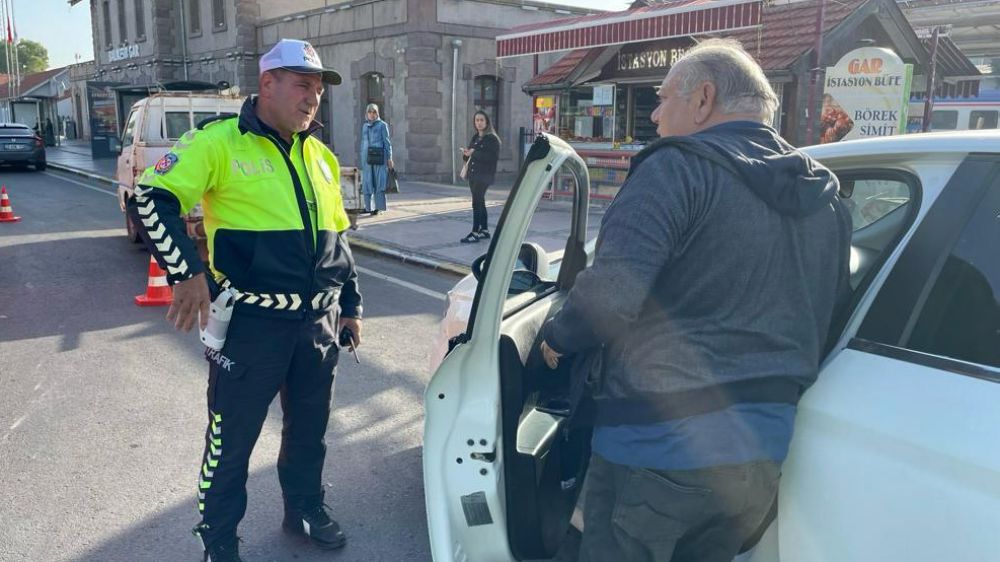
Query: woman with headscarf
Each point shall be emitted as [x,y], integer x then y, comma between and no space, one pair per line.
[376,159]
[480,169]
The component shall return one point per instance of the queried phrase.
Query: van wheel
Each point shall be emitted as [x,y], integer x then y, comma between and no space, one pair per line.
[131,231]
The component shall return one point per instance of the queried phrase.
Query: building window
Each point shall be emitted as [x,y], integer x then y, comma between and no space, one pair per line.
[944,120]
[373,91]
[218,14]
[106,12]
[983,120]
[140,20]
[122,23]
[194,16]
[486,97]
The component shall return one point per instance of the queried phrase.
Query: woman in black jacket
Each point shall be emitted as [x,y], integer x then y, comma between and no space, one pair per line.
[480,168]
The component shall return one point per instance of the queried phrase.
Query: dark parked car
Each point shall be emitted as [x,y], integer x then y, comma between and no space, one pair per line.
[20,145]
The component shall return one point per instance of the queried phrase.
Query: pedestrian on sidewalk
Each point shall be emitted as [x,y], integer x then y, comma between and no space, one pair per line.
[718,270]
[376,159]
[480,170]
[275,227]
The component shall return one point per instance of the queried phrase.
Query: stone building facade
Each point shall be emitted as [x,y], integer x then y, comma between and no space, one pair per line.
[400,54]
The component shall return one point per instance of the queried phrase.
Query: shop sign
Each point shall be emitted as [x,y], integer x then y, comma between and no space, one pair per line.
[866,94]
[123,53]
[654,59]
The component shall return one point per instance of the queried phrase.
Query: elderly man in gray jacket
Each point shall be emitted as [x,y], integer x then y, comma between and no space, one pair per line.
[718,269]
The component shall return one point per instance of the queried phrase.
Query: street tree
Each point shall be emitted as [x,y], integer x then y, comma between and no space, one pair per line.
[33,57]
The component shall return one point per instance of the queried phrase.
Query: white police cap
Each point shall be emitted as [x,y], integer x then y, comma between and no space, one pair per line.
[297,56]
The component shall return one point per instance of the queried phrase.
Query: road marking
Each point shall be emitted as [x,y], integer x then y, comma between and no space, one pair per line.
[81,184]
[366,271]
[401,283]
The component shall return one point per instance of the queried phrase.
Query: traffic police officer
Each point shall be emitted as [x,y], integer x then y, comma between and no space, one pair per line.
[274,219]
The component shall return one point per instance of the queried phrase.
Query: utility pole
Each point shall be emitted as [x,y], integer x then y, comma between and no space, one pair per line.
[812,116]
[931,82]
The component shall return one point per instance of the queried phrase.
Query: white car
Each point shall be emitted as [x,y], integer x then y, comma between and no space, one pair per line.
[896,452]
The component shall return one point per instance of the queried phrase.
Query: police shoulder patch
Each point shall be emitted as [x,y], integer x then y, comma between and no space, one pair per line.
[166,163]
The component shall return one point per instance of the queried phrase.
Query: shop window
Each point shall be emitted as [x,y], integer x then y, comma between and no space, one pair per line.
[944,120]
[194,16]
[634,111]
[486,97]
[645,103]
[580,120]
[122,24]
[106,13]
[983,120]
[140,20]
[373,91]
[218,14]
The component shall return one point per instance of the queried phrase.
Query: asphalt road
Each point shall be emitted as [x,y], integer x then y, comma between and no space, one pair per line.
[102,403]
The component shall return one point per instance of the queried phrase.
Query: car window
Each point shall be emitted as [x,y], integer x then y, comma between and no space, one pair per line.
[16,132]
[128,136]
[961,316]
[176,123]
[983,120]
[873,199]
[548,233]
[200,116]
[944,120]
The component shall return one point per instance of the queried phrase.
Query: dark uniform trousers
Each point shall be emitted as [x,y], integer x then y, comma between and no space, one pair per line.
[262,357]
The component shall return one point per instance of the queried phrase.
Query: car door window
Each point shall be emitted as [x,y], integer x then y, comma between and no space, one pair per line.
[961,317]
[548,233]
[873,198]
[128,137]
[880,203]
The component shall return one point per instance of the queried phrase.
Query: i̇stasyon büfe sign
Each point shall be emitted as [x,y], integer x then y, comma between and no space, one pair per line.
[866,94]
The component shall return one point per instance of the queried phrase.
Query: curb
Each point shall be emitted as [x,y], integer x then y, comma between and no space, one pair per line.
[401,254]
[407,256]
[79,172]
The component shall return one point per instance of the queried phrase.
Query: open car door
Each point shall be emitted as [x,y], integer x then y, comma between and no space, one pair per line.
[503,459]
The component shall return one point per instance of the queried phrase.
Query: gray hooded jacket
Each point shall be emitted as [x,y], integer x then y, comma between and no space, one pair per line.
[718,270]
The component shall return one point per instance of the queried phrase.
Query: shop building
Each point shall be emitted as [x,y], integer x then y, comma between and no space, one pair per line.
[601,93]
[429,64]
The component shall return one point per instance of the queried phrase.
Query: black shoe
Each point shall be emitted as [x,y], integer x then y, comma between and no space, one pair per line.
[470,238]
[224,552]
[376,212]
[483,233]
[316,524]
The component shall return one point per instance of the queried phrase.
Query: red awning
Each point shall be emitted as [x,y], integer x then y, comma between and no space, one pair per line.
[675,18]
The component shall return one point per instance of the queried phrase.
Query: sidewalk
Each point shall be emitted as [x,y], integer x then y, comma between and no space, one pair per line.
[423,225]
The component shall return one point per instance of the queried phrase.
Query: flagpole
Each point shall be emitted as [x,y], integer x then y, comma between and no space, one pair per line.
[17,57]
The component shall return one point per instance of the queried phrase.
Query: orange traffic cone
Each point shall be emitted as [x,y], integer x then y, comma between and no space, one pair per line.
[158,292]
[6,212]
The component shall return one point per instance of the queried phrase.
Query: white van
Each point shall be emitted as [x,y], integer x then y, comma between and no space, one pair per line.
[153,126]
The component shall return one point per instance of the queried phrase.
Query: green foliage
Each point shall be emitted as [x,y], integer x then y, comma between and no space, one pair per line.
[33,57]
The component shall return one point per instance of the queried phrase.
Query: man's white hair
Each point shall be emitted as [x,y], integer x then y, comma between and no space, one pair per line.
[740,83]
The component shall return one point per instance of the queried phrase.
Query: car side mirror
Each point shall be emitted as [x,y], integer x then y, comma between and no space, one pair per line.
[533,258]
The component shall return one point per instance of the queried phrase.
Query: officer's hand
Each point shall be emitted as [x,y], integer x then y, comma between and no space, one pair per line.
[354,324]
[392,164]
[550,355]
[190,298]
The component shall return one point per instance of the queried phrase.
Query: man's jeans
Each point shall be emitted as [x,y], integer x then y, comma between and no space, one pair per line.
[705,515]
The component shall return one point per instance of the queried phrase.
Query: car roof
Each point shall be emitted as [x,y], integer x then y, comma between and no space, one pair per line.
[22,125]
[953,142]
